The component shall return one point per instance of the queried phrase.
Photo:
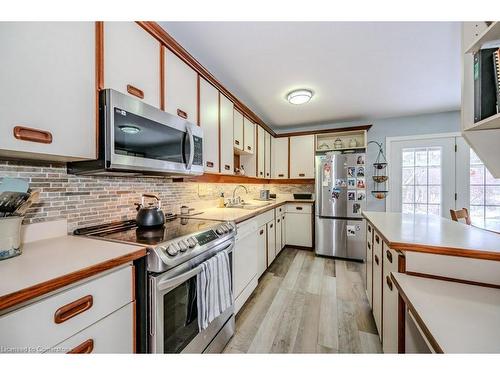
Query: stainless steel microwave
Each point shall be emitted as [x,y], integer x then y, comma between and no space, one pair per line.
[137,138]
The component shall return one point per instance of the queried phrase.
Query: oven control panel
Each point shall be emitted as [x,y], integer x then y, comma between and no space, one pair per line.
[206,237]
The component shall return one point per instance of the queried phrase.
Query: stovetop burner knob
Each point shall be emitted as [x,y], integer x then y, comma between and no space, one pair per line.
[219,230]
[173,249]
[191,242]
[183,245]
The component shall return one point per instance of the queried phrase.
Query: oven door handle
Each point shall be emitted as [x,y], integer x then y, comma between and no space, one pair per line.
[176,280]
[191,147]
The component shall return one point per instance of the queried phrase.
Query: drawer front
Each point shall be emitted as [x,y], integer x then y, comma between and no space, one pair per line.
[390,305]
[377,283]
[73,310]
[113,334]
[265,218]
[299,208]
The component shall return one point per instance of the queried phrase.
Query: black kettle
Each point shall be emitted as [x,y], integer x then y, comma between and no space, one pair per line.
[151,215]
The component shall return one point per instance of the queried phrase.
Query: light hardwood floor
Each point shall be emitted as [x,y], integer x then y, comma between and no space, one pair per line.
[307,304]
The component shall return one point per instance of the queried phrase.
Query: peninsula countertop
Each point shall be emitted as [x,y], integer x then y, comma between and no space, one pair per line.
[434,234]
[454,317]
[50,264]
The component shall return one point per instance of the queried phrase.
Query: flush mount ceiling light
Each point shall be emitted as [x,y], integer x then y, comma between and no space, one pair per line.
[129,129]
[301,96]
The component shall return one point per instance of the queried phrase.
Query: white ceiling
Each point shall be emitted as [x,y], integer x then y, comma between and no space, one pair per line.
[357,70]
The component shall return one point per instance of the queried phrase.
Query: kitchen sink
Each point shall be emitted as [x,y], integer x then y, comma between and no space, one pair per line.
[249,206]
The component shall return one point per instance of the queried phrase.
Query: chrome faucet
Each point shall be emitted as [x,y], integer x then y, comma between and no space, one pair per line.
[236,188]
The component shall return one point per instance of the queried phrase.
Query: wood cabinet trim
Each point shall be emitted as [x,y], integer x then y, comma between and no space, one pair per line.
[85,347]
[324,131]
[137,92]
[72,309]
[48,286]
[24,133]
[432,341]
[231,179]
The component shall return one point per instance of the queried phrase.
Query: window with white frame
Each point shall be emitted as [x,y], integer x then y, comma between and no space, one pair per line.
[484,195]
[421,180]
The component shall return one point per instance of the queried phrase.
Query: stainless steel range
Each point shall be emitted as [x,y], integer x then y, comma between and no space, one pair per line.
[175,254]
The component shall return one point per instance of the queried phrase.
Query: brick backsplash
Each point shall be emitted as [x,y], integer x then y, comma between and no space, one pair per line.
[92,200]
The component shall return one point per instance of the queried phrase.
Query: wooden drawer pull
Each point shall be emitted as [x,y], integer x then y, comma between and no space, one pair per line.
[389,255]
[227,167]
[210,164]
[181,113]
[299,208]
[32,135]
[236,142]
[249,148]
[135,91]
[261,173]
[376,260]
[278,220]
[302,174]
[73,309]
[369,245]
[389,282]
[270,226]
[267,174]
[261,232]
[85,347]
[281,175]
[369,228]
[377,239]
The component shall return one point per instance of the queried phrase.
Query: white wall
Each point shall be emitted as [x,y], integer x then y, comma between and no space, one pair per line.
[443,122]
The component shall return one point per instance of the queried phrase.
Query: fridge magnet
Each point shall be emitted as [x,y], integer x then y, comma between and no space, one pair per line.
[351,171]
[335,194]
[360,183]
[351,183]
[361,195]
[326,175]
[351,230]
[361,160]
[356,208]
[340,182]
[351,195]
[360,172]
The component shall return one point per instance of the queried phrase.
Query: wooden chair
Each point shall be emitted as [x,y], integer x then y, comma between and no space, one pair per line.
[461,214]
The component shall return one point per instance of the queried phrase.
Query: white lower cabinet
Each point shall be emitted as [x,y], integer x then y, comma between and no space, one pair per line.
[59,317]
[299,224]
[279,230]
[369,264]
[261,250]
[271,242]
[245,262]
[390,302]
[108,335]
[377,282]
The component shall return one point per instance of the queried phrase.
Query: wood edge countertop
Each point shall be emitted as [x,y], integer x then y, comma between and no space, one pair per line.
[216,213]
[453,317]
[422,246]
[38,271]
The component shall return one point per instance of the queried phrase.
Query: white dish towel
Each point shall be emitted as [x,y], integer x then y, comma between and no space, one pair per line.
[214,292]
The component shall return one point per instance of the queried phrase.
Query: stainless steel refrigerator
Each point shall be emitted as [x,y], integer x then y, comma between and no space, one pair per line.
[341,188]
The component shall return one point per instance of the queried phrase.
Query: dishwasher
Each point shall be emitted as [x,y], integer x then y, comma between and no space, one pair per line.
[245,262]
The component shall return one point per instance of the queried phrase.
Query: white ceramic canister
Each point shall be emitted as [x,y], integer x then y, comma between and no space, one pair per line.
[10,236]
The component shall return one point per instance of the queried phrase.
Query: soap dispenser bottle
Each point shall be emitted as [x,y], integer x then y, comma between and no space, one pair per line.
[221,200]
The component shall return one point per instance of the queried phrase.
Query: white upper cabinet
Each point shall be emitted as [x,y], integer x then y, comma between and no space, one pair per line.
[209,122]
[48,90]
[131,61]
[267,155]
[261,151]
[302,156]
[181,91]
[248,138]
[238,130]
[226,136]
[279,157]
